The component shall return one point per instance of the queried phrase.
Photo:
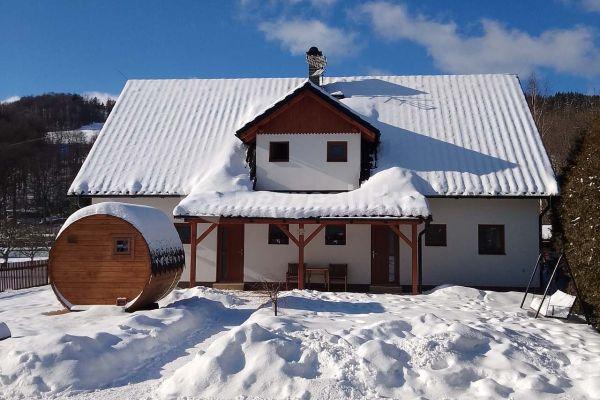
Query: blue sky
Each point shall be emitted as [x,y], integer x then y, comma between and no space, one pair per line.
[94,46]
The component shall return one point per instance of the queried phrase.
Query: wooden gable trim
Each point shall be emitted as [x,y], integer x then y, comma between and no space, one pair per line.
[248,133]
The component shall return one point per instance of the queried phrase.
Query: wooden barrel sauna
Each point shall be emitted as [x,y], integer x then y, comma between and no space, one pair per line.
[118,254]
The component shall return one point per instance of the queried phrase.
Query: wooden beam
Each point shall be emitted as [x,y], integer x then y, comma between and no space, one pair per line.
[398,232]
[206,233]
[193,233]
[323,221]
[288,234]
[301,256]
[415,261]
[315,233]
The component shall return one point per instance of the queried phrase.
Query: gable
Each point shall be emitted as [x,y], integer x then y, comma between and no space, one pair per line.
[307,110]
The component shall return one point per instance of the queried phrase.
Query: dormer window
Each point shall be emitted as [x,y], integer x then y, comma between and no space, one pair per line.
[337,151]
[279,151]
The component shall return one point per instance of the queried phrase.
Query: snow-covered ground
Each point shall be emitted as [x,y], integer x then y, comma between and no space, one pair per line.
[453,343]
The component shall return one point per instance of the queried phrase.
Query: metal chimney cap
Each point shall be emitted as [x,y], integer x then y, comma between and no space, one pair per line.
[314,51]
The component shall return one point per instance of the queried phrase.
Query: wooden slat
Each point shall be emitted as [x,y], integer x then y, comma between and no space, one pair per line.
[398,232]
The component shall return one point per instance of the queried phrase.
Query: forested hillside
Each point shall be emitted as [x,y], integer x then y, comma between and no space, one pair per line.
[36,170]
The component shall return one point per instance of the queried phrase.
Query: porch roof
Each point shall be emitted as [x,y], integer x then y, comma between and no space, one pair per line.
[390,195]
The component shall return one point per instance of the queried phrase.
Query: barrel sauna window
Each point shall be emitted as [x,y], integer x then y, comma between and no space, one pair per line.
[123,246]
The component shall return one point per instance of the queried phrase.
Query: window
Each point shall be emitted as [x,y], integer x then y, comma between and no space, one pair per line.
[436,235]
[276,235]
[337,151]
[183,229]
[335,235]
[122,246]
[279,151]
[491,239]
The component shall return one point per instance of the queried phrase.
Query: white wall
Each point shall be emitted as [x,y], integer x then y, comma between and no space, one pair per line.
[269,261]
[458,262]
[307,168]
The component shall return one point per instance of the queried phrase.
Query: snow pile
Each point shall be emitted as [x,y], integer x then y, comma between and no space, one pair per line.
[98,347]
[154,225]
[4,331]
[454,343]
[391,193]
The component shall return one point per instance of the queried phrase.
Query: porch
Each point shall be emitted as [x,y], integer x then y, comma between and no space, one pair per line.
[377,252]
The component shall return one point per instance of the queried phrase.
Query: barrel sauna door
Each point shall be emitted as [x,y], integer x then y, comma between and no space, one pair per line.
[384,256]
[230,265]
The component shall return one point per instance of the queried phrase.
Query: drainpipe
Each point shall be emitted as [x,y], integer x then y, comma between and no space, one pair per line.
[420,257]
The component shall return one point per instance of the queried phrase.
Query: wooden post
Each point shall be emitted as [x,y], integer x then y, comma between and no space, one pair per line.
[415,261]
[300,256]
[193,244]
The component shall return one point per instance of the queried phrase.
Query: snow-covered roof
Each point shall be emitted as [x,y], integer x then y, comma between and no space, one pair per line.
[390,193]
[460,135]
[153,224]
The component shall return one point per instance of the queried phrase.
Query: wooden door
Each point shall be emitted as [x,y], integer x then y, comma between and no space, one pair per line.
[384,256]
[230,260]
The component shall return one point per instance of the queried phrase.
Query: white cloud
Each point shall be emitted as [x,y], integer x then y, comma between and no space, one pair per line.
[591,5]
[376,71]
[298,35]
[101,96]
[497,49]
[10,99]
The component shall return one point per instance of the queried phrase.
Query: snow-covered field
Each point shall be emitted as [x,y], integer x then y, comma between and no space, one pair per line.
[453,343]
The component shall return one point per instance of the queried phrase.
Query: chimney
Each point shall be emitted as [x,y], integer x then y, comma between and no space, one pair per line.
[316,65]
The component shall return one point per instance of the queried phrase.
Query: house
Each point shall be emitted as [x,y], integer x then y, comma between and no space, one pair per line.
[408,180]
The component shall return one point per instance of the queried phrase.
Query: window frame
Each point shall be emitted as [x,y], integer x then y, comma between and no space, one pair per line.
[115,239]
[327,235]
[331,144]
[274,143]
[180,225]
[444,238]
[487,252]
[286,240]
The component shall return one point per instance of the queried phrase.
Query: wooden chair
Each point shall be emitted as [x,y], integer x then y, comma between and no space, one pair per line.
[338,273]
[291,276]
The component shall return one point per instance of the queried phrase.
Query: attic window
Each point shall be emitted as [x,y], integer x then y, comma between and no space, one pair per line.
[337,151]
[279,151]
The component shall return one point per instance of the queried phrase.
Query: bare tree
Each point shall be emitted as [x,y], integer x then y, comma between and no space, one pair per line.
[537,96]
[11,233]
[272,290]
[36,239]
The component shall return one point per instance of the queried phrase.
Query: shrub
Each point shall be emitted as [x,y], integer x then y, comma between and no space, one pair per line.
[577,221]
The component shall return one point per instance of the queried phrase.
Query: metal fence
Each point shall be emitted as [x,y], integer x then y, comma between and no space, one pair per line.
[23,274]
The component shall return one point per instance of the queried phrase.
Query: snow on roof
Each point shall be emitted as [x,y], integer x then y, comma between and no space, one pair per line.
[390,193]
[154,225]
[460,135]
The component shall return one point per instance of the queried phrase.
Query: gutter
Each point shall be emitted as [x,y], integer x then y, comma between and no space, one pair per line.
[420,249]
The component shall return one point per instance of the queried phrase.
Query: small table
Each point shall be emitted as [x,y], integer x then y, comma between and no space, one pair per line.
[319,271]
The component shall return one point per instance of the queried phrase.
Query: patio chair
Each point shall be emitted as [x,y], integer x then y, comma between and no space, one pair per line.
[291,276]
[338,273]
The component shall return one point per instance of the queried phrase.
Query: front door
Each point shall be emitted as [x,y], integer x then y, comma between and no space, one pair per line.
[230,260]
[384,256]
